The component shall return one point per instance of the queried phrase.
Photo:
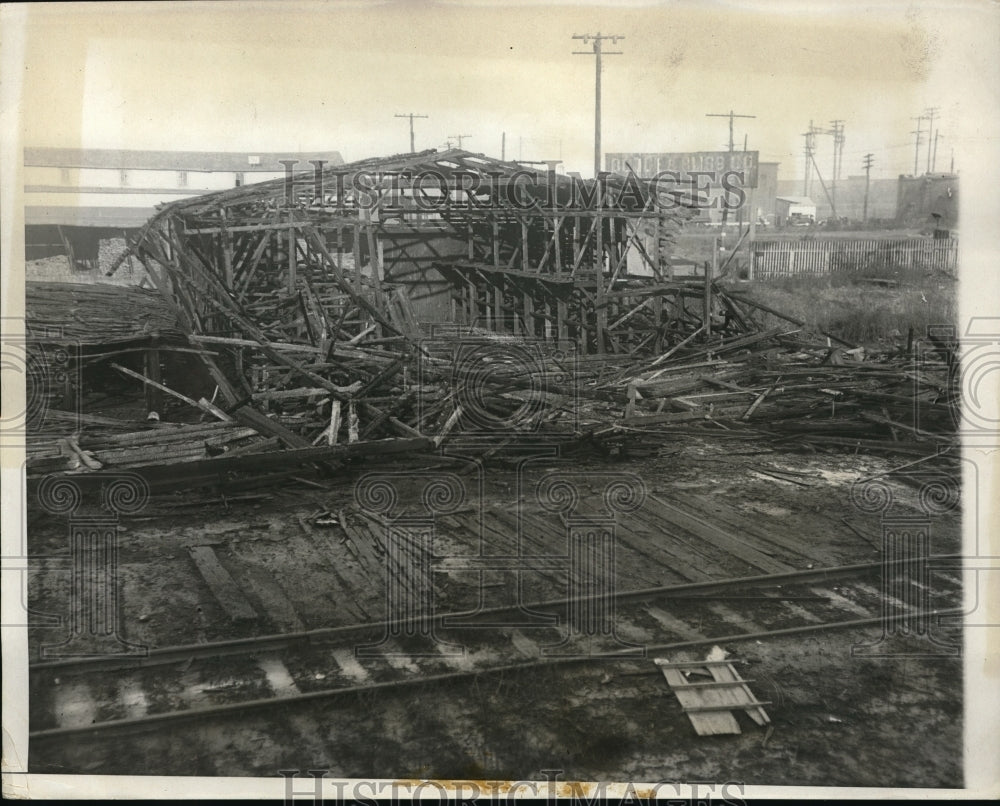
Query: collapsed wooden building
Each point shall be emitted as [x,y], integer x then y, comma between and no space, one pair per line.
[392,305]
[336,281]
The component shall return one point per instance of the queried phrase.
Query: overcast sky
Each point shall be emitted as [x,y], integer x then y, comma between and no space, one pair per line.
[330,76]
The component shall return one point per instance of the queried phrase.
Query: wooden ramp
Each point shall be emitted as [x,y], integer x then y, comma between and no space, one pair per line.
[709,691]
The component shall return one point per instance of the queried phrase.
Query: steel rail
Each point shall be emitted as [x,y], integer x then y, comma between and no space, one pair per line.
[228,709]
[182,652]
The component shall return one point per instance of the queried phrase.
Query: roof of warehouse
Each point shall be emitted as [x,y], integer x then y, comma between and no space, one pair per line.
[125,159]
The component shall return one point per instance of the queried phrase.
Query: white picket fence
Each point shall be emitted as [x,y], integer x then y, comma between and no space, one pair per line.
[774,259]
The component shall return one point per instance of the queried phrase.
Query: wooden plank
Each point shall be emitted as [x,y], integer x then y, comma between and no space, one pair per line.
[727,676]
[720,538]
[223,586]
[268,427]
[705,724]
[197,404]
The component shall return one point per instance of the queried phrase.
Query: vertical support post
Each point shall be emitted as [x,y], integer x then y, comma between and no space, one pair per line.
[576,239]
[710,271]
[525,263]
[227,253]
[600,314]
[374,261]
[291,259]
[154,397]
[496,244]
[358,285]
[658,318]
[340,248]
[497,305]
[655,251]
[558,236]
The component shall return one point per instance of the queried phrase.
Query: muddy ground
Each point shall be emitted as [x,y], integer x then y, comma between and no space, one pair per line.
[837,720]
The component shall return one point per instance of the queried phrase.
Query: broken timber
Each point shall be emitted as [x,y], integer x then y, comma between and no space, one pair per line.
[709,703]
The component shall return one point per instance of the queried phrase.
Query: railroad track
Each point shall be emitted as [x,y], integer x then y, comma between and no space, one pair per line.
[88,696]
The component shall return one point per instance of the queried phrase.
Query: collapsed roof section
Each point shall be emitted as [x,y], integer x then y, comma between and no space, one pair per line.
[328,278]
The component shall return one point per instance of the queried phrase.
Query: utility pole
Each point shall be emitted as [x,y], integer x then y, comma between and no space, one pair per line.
[810,142]
[838,150]
[829,198]
[937,135]
[411,116]
[458,137]
[930,114]
[868,181]
[916,151]
[731,115]
[598,51]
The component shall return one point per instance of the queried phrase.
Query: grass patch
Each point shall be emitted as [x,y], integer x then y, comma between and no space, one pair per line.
[860,312]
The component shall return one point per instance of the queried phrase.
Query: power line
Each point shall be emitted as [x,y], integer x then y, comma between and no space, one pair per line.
[411,116]
[598,51]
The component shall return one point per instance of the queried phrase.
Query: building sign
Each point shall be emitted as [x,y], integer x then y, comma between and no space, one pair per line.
[700,167]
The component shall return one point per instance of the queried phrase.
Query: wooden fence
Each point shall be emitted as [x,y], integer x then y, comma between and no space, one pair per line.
[868,257]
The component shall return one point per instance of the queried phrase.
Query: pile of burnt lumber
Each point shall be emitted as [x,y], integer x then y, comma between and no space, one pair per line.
[97,314]
[805,395]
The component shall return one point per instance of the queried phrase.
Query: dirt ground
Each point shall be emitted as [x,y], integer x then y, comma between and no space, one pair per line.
[837,720]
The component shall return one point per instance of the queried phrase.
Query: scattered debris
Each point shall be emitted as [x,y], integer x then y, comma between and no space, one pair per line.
[307,314]
[710,690]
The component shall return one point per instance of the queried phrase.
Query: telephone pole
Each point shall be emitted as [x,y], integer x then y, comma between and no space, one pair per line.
[458,137]
[838,152]
[916,150]
[731,115]
[868,181]
[598,51]
[929,115]
[411,116]
[937,135]
[808,153]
